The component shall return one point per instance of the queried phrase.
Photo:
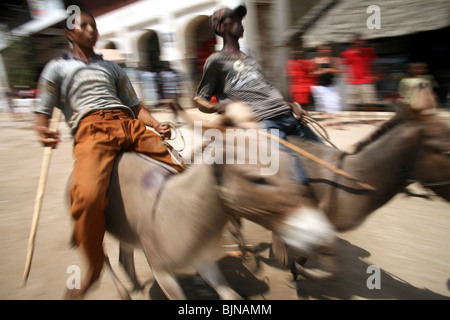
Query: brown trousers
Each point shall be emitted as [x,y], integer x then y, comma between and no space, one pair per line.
[100,137]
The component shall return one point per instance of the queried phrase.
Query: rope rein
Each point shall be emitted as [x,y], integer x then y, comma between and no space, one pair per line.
[314,125]
[431,184]
[322,133]
[178,133]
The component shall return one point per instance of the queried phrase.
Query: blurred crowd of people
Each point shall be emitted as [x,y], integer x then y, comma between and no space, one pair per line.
[157,87]
[329,84]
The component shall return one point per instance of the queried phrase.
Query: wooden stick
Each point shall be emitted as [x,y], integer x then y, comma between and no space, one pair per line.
[303,152]
[204,103]
[39,196]
[318,160]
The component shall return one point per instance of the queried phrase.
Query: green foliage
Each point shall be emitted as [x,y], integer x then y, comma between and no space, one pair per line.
[20,62]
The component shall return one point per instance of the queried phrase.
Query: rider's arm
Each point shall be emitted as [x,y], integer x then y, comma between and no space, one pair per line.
[297,110]
[209,107]
[210,85]
[49,98]
[47,137]
[146,117]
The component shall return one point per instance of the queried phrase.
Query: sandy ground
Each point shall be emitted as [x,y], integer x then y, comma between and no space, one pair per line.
[408,239]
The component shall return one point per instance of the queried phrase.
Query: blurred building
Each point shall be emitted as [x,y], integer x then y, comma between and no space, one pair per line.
[140,34]
[31,34]
[148,32]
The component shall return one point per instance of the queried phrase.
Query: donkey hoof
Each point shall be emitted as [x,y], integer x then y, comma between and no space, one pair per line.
[73,294]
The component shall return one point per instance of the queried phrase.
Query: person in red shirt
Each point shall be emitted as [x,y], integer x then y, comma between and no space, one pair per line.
[326,93]
[359,59]
[300,77]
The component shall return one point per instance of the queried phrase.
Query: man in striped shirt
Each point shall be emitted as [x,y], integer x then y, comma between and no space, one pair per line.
[233,76]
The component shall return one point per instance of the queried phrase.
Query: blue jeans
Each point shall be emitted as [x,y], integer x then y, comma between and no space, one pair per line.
[287,124]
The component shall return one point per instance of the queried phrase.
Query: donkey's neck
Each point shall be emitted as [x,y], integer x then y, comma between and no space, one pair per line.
[384,164]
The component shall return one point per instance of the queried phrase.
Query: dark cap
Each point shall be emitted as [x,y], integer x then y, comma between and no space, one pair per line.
[218,16]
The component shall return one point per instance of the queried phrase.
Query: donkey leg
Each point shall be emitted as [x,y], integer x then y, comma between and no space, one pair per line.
[120,287]
[126,259]
[210,271]
[169,284]
[237,236]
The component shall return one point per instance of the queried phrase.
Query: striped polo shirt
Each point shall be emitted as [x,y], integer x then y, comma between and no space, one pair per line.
[78,88]
[235,78]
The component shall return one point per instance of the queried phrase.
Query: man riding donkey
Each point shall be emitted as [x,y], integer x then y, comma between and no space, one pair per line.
[233,76]
[106,117]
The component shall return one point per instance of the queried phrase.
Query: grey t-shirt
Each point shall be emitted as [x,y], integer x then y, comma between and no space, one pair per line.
[78,88]
[239,78]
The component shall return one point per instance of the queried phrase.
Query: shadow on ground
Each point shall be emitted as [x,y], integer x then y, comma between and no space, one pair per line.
[351,283]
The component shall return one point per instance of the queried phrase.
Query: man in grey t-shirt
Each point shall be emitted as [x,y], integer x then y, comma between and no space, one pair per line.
[233,76]
[106,118]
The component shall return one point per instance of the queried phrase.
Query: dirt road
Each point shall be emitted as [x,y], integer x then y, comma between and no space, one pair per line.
[408,239]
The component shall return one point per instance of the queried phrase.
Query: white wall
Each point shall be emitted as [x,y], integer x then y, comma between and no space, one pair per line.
[126,25]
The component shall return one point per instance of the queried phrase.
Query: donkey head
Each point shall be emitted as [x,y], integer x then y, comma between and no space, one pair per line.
[256,181]
[432,164]
[273,199]
[432,167]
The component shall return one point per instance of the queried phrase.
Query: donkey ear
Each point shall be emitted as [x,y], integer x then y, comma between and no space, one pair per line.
[218,172]
[423,98]
[226,121]
[422,102]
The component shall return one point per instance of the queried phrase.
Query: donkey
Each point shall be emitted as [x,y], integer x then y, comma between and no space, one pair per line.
[178,219]
[413,146]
